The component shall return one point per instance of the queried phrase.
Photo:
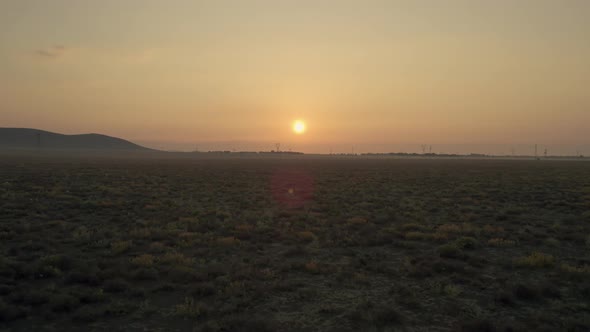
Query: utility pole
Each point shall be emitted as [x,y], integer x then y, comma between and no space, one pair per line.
[536,151]
[545,152]
[278,145]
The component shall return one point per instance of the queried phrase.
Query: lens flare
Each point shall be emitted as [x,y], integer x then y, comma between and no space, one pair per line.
[291,188]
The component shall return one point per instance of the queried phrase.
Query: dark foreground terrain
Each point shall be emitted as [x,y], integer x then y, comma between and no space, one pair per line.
[299,244]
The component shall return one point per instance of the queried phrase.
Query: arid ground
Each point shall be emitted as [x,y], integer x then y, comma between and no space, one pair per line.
[294,244]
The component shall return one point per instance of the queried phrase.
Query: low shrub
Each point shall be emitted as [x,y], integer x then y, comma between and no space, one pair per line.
[500,242]
[119,247]
[145,260]
[416,236]
[575,272]
[450,250]
[175,258]
[466,242]
[305,236]
[536,259]
[411,227]
[190,308]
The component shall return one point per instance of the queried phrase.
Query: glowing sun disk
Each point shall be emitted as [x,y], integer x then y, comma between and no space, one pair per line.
[299,127]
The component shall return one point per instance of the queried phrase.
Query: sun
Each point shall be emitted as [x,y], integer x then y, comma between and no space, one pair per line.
[299,127]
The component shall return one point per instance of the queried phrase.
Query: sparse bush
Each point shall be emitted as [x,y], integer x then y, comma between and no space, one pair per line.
[157,247]
[356,221]
[203,290]
[536,259]
[119,247]
[190,308]
[450,250]
[499,242]
[466,242]
[493,230]
[305,236]
[440,237]
[181,273]
[61,262]
[141,233]
[295,251]
[416,236]
[580,273]
[246,228]
[176,258]
[145,260]
[227,241]
[458,229]
[411,227]
[449,228]
[552,242]
[451,290]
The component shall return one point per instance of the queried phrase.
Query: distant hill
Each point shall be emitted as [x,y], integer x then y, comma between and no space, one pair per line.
[25,138]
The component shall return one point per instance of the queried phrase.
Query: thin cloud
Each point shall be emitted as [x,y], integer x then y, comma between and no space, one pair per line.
[51,52]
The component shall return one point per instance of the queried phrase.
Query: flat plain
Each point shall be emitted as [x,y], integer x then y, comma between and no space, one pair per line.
[294,244]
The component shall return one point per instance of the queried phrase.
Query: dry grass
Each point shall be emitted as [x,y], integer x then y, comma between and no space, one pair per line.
[176,258]
[227,241]
[356,221]
[145,260]
[119,247]
[500,242]
[580,272]
[305,236]
[536,259]
[215,235]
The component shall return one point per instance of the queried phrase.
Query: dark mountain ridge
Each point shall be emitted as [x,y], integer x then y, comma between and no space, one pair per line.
[26,138]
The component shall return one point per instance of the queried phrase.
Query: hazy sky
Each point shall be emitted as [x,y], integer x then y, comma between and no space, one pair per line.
[372,73]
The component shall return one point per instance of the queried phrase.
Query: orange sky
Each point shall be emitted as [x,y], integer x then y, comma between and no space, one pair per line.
[373,73]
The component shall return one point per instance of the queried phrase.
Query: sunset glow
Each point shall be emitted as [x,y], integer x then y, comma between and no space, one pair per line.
[299,127]
[463,76]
